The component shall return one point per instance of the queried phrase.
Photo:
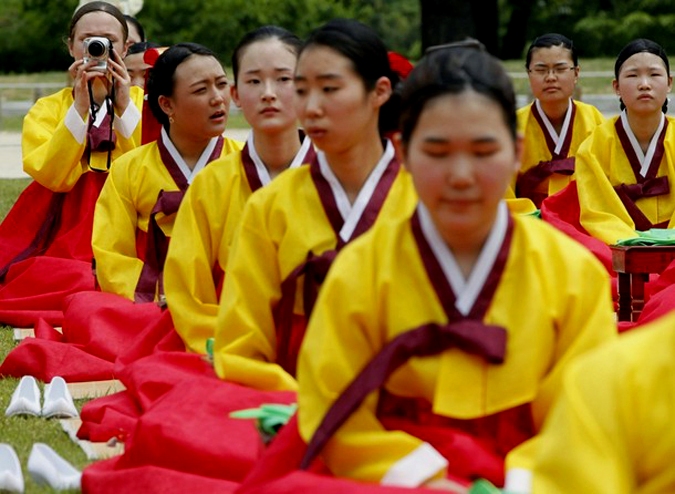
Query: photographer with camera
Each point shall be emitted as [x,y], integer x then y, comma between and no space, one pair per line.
[46,237]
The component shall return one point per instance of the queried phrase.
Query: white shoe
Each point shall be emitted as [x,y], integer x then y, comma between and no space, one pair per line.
[25,399]
[46,467]
[57,400]
[11,478]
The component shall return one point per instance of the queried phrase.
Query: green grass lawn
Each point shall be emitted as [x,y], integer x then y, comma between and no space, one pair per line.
[23,432]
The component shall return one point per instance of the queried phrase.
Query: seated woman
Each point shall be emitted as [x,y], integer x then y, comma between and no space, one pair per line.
[438,340]
[67,136]
[610,431]
[625,167]
[554,125]
[263,64]
[291,229]
[189,94]
[135,62]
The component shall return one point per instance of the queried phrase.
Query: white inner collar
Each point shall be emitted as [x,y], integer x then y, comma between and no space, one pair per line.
[559,140]
[261,169]
[100,113]
[182,165]
[644,159]
[351,213]
[466,290]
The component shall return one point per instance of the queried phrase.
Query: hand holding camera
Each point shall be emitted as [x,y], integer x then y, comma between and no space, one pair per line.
[101,66]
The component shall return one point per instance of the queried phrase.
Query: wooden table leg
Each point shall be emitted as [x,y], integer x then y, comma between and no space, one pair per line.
[638,294]
[624,286]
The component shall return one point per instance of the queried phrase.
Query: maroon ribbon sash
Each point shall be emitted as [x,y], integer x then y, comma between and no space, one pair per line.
[629,194]
[150,282]
[647,186]
[472,336]
[527,183]
[100,138]
[316,266]
[315,269]
[469,333]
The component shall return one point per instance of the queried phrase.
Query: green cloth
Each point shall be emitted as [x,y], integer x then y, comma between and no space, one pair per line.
[655,236]
[269,418]
[482,486]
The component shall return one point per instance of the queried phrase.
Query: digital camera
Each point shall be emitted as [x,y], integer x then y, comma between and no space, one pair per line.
[99,49]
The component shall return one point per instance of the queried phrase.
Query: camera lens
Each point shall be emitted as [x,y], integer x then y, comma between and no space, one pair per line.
[96,48]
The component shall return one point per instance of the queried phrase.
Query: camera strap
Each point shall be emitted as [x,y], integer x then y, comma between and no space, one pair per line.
[99,142]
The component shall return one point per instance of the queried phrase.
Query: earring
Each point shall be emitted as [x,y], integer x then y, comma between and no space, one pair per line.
[171,120]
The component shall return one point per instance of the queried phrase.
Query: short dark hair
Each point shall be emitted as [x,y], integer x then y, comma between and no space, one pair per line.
[141,47]
[453,70]
[162,76]
[638,46]
[547,41]
[98,7]
[369,57]
[131,19]
[292,42]
[641,45]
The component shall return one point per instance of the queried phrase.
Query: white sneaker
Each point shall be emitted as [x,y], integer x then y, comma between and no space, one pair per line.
[25,399]
[46,467]
[11,478]
[57,400]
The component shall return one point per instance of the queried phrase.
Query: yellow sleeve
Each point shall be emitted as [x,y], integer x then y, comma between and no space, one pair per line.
[245,340]
[114,233]
[584,321]
[134,140]
[343,336]
[188,270]
[583,447]
[602,214]
[51,155]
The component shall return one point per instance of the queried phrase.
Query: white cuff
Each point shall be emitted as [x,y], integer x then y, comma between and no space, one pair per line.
[75,124]
[415,468]
[127,123]
[518,481]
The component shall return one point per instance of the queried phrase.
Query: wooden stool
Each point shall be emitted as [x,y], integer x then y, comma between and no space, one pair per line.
[633,265]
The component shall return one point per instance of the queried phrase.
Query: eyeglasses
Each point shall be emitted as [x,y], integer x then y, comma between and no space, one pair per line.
[543,71]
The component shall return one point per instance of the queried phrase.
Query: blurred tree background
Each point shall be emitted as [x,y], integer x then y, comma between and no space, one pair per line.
[34,31]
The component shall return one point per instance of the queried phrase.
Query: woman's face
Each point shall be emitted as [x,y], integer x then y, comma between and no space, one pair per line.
[137,68]
[333,105]
[552,74]
[462,157]
[643,83]
[264,88]
[201,99]
[96,24]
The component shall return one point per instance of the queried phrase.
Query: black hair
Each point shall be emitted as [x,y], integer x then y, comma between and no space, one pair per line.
[292,42]
[162,76]
[549,40]
[131,19]
[98,7]
[368,55]
[141,47]
[453,70]
[641,45]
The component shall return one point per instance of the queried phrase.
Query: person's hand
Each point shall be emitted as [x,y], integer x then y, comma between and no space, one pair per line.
[120,78]
[446,485]
[81,73]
